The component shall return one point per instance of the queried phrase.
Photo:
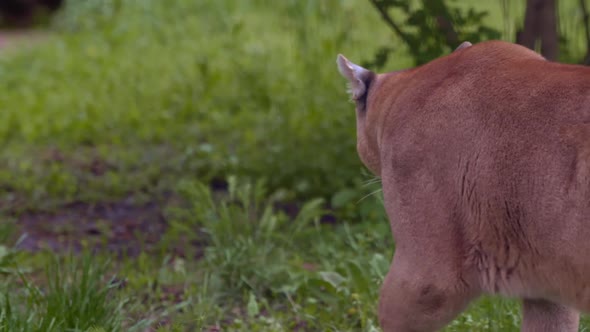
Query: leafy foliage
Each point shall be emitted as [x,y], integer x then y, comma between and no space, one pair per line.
[431,28]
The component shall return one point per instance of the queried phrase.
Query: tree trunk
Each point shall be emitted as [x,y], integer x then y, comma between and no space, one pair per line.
[540,24]
[586,19]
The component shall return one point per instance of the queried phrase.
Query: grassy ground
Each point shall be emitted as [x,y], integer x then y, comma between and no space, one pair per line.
[191,166]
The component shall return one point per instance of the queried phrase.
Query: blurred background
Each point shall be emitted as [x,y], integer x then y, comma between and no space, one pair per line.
[191,165]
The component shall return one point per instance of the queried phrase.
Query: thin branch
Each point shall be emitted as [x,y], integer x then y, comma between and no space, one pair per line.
[390,22]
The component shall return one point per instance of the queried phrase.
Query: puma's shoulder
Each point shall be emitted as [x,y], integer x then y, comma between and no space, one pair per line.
[501,50]
[577,138]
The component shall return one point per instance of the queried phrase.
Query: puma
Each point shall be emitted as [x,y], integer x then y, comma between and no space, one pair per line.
[484,158]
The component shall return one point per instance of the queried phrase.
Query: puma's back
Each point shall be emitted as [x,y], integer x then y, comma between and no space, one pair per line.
[484,159]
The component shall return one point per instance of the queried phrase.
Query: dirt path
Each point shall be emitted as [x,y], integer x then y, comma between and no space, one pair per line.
[13,38]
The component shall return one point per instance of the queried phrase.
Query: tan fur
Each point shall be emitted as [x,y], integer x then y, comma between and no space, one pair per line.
[484,156]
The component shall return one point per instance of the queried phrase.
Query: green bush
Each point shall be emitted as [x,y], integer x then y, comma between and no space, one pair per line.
[210,83]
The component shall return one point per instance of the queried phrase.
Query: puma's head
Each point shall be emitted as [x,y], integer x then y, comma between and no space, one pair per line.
[361,82]
[372,100]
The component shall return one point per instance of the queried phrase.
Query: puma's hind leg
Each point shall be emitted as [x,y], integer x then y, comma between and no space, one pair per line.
[545,316]
[412,299]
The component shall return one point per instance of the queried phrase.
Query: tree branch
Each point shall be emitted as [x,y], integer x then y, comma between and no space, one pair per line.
[385,16]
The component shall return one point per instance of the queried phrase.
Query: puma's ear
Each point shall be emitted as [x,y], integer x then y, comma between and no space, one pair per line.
[463,45]
[357,76]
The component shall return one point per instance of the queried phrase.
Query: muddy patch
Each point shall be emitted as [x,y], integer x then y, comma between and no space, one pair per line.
[123,228]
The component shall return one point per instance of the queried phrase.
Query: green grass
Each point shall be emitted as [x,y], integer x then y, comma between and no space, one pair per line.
[73,297]
[150,101]
[261,271]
